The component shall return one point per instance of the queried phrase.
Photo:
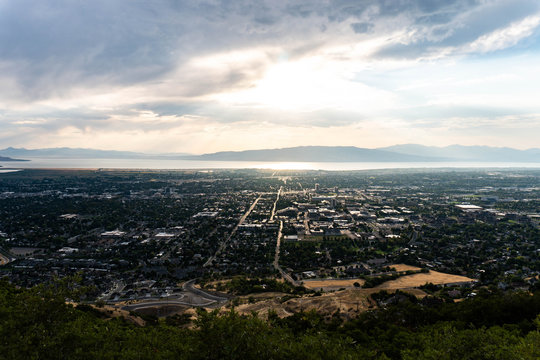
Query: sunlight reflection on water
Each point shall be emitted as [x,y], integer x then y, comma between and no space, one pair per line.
[173,164]
[286,166]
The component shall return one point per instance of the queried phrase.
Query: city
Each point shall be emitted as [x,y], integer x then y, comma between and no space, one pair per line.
[137,236]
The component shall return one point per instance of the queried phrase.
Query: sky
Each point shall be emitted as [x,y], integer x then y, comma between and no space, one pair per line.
[204,76]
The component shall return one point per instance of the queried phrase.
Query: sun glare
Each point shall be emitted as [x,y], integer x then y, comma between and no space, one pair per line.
[286,166]
[308,85]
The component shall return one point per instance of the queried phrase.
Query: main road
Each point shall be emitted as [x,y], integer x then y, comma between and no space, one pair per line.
[276,265]
[275,204]
[191,296]
[224,243]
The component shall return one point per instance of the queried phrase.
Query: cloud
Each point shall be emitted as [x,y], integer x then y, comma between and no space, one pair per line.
[506,37]
[449,32]
[47,49]
[362,28]
[100,69]
[56,45]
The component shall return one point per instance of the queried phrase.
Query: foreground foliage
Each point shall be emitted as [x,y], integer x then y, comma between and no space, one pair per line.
[38,324]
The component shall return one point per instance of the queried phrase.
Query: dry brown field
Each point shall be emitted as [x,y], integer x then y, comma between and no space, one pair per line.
[404,267]
[415,280]
[331,285]
[348,303]
[407,281]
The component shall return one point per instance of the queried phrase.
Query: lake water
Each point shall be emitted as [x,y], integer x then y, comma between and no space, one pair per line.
[192,164]
[8,170]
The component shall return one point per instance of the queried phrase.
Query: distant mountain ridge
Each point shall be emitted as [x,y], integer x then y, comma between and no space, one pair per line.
[396,153]
[316,154]
[78,153]
[470,153]
[5,158]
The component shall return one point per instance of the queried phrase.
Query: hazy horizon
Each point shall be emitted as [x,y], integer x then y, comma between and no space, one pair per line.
[155,153]
[263,148]
[210,76]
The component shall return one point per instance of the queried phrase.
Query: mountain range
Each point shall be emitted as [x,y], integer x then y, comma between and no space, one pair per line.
[78,153]
[5,158]
[469,153]
[317,154]
[396,153]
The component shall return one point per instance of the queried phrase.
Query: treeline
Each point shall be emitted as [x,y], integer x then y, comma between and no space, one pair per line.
[372,281]
[38,324]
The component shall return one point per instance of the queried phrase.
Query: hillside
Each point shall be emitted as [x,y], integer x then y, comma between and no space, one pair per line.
[37,323]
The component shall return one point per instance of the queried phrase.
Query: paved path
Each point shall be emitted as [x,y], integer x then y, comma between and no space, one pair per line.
[191,296]
[188,286]
[168,302]
[3,258]
[224,243]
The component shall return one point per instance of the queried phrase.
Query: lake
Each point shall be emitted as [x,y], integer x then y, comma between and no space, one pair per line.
[196,164]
